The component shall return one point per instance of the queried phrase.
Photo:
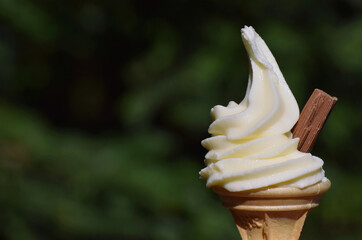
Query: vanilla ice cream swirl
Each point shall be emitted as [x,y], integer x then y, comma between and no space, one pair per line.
[251,146]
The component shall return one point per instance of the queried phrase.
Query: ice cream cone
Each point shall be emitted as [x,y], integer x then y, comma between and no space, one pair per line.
[272,214]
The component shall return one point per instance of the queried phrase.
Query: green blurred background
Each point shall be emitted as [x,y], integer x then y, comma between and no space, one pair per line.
[103,105]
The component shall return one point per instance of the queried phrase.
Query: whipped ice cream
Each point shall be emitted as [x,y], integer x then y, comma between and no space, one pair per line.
[251,144]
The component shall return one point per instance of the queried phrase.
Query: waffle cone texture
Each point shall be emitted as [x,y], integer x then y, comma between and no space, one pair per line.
[272,214]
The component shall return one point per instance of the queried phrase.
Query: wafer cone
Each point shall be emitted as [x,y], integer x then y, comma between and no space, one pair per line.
[272,214]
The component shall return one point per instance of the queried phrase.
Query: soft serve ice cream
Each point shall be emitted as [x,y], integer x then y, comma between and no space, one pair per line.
[251,146]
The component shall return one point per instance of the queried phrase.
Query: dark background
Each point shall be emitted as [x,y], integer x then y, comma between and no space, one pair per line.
[103,105]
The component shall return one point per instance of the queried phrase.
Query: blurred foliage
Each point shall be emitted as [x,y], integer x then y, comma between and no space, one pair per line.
[104,103]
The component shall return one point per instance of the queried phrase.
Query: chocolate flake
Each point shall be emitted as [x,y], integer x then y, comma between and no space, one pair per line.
[312,119]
